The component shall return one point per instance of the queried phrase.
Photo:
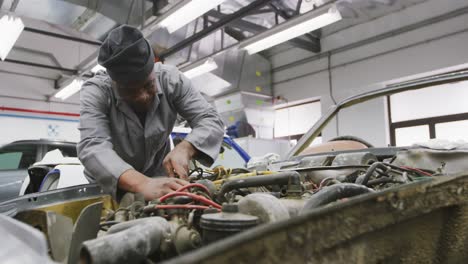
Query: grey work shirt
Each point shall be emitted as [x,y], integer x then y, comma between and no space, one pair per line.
[113,139]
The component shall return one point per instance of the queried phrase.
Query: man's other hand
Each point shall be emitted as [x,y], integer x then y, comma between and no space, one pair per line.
[177,161]
[157,187]
[151,188]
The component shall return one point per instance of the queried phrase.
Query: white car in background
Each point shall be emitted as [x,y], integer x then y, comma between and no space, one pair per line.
[54,171]
[16,157]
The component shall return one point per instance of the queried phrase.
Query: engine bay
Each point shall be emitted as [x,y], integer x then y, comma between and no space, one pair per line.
[223,202]
[336,196]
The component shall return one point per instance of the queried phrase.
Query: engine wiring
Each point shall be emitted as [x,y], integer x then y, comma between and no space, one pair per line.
[194,185]
[376,175]
[417,170]
[195,197]
[176,206]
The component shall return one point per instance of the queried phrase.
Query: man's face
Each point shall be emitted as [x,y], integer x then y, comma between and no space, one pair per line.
[139,95]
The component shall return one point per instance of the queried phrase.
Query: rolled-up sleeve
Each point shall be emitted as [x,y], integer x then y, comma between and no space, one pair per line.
[95,149]
[207,128]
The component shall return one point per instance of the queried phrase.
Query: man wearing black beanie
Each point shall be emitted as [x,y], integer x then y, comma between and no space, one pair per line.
[127,115]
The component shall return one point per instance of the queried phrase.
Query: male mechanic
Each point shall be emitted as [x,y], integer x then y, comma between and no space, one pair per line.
[127,115]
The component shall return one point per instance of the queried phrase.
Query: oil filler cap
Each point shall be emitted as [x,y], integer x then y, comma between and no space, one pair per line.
[224,224]
[230,208]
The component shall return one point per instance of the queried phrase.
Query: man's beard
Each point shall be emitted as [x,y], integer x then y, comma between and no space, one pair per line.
[142,106]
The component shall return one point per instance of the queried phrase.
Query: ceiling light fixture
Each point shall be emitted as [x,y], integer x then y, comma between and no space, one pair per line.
[70,89]
[10,30]
[197,70]
[293,28]
[188,11]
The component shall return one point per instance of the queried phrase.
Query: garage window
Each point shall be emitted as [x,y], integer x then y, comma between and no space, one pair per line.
[455,129]
[17,157]
[406,136]
[294,121]
[10,160]
[437,112]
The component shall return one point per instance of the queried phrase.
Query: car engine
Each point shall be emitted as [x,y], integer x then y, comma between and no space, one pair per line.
[222,202]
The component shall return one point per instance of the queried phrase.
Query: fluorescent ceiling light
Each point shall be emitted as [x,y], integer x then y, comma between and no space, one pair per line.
[293,28]
[70,89]
[10,30]
[97,68]
[207,66]
[189,11]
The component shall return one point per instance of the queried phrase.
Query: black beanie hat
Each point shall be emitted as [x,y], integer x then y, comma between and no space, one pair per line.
[126,55]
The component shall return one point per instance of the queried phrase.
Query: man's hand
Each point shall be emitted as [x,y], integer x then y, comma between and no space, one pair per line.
[177,161]
[151,188]
[157,187]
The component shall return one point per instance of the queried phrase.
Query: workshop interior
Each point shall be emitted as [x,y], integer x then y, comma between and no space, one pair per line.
[344,131]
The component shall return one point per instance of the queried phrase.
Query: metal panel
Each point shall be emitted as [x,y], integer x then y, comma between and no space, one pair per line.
[230,118]
[230,67]
[256,75]
[256,102]
[229,103]
[37,200]
[261,117]
[250,78]
[57,228]
[86,228]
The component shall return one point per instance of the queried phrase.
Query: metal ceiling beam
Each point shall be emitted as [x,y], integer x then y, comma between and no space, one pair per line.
[26,74]
[261,11]
[158,5]
[234,33]
[84,19]
[313,45]
[44,66]
[298,6]
[14,5]
[132,5]
[143,13]
[240,23]
[218,25]
[49,55]
[282,13]
[60,36]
